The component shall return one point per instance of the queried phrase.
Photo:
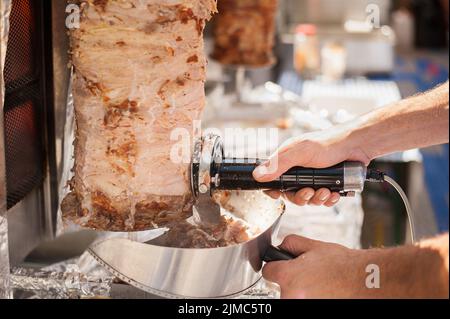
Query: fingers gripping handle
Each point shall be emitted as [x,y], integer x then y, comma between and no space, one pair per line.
[235,174]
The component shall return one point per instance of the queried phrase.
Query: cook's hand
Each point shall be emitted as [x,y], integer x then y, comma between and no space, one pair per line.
[325,270]
[313,150]
[322,271]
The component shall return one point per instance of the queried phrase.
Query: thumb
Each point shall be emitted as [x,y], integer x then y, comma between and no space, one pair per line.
[298,245]
[276,166]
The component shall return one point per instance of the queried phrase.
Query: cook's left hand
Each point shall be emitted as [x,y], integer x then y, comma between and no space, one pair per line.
[325,270]
[322,270]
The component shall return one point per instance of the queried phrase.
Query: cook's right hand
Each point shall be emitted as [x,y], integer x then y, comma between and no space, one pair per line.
[313,150]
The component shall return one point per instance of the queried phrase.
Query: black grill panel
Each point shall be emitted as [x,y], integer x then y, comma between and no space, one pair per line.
[24,160]
[20,64]
[23,124]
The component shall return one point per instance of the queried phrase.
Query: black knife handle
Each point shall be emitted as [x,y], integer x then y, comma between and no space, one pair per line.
[237,174]
[275,254]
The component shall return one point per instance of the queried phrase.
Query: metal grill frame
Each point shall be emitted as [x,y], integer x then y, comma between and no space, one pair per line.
[23,91]
[34,218]
[23,86]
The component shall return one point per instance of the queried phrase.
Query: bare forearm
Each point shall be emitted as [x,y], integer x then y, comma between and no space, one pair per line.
[419,271]
[416,122]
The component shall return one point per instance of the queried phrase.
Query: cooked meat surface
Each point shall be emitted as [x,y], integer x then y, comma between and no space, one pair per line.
[228,232]
[244,32]
[139,74]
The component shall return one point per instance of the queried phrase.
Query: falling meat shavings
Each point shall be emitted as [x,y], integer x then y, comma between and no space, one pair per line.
[228,232]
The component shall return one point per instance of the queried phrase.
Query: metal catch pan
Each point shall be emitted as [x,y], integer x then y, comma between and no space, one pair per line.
[197,273]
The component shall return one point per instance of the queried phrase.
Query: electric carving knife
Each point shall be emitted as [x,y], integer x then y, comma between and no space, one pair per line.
[212,171]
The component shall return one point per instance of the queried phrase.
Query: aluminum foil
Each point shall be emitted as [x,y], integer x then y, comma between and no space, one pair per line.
[262,290]
[61,281]
[5,292]
[67,160]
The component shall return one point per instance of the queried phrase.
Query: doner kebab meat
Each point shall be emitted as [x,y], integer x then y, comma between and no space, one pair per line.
[139,74]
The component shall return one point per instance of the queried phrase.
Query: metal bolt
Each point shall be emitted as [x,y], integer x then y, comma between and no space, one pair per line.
[216,180]
[338,182]
[203,188]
